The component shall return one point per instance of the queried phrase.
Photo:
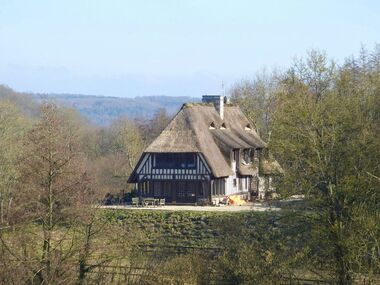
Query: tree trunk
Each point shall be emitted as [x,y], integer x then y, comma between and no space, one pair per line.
[48,229]
[1,209]
[9,209]
[83,269]
[344,277]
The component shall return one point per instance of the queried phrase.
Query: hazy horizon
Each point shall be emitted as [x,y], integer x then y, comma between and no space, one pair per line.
[170,48]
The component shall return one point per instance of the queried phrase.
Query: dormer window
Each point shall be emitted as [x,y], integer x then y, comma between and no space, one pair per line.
[248,127]
[212,126]
[247,155]
[223,126]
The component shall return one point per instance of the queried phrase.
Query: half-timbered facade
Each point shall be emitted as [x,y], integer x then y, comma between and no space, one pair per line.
[208,151]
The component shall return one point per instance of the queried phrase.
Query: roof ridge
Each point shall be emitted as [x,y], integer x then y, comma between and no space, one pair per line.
[205,104]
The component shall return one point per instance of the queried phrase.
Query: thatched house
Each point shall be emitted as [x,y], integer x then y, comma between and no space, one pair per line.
[208,151]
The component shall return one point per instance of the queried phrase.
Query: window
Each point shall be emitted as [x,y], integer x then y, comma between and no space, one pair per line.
[247,155]
[174,160]
[212,126]
[218,188]
[234,181]
[223,126]
[235,155]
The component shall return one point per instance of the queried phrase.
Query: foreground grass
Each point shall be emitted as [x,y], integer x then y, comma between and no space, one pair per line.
[166,247]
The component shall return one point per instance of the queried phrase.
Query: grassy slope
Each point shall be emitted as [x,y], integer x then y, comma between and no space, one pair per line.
[185,228]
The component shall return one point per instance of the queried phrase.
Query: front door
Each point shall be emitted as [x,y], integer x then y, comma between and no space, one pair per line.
[186,191]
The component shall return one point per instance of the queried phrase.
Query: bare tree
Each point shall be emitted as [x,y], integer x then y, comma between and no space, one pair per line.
[126,147]
[54,183]
[257,97]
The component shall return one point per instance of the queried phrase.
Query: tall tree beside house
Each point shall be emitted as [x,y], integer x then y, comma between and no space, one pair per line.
[126,145]
[53,237]
[326,134]
[256,98]
[127,141]
[159,121]
[316,72]
[54,183]
[150,129]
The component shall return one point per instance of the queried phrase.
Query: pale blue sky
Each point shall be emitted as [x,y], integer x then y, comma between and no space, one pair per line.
[147,47]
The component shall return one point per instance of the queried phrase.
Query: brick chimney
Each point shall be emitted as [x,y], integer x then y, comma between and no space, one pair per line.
[218,102]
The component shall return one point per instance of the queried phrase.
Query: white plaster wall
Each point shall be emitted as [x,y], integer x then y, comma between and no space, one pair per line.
[233,166]
[230,189]
[261,187]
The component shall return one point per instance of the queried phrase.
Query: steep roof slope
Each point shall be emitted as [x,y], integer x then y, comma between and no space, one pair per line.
[189,131]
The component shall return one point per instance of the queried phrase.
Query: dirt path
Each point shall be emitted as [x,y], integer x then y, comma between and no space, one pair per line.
[251,207]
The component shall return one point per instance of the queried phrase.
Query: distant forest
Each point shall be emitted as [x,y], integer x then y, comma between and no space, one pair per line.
[102,110]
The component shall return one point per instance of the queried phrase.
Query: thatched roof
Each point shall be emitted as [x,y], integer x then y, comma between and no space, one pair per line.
[189,131]
[248,169]
[270,166]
